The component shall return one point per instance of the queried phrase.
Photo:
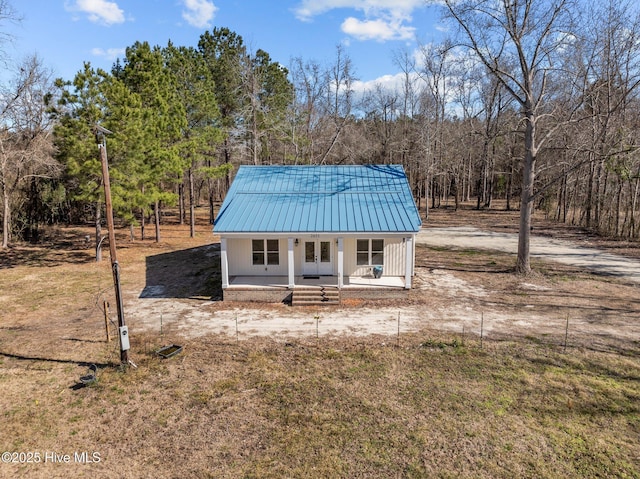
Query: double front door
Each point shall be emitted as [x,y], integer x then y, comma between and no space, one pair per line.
[318,257]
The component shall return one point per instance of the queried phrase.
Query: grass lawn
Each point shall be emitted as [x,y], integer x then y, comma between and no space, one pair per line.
[432,407]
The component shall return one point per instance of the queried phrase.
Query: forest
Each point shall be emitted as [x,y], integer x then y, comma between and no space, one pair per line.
[533,102]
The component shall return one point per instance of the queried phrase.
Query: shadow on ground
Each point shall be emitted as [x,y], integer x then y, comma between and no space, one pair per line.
[192,273]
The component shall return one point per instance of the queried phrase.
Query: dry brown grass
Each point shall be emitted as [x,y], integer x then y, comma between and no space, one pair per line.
[437,405]
[434,407]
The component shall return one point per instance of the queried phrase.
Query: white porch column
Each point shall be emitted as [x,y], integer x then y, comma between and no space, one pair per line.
[408,272]
[224,264]
[290,261]
[340,263]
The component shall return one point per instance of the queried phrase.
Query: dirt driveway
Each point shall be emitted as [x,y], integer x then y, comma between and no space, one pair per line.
[542,247]
[458,288]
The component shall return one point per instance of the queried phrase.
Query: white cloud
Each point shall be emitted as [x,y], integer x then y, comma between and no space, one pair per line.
[98,11]
[199,13]
[388,83]
[383,19]
[380,30]
[310,8]
[110,53]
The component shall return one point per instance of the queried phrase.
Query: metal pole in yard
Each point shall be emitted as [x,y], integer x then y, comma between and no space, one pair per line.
[566,333]
[115,267]
[105,305]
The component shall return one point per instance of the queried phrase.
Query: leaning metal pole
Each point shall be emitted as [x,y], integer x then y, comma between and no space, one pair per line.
[115,267]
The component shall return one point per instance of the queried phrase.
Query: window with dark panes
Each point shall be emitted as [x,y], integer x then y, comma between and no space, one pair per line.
[257,247]
[362,253]
[273,251]
[265,252]
[377,251]
[369,251]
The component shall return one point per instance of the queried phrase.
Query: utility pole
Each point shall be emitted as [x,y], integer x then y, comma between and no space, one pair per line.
[115,267]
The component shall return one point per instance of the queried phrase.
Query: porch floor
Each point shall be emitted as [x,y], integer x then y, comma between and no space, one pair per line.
[282,282]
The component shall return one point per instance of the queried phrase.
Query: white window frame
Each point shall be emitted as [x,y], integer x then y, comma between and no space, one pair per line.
[267,254]
[370,252]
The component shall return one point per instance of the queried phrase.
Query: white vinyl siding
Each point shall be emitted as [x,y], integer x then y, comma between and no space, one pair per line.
[246,258]
[240,257]
[392,255]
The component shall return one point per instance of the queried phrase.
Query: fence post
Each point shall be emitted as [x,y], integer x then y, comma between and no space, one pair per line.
[106,319]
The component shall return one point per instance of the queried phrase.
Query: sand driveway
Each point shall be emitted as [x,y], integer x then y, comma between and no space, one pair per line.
[443,299]
[541,247]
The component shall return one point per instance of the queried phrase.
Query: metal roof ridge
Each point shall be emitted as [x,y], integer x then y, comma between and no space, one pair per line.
[370,165]
[323,192]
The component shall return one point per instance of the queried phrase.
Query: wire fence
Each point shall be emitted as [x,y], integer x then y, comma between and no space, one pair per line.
[316,327]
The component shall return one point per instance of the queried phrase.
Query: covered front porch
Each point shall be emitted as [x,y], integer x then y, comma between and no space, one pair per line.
[344,262]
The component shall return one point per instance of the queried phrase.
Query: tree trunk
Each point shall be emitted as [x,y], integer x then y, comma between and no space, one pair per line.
[456,192]
[181,203]
[491,176]
[156,215]
[469,179]
[634,202]
[589,199]
[227,159]
[142,223]
[510,179]
[192,212]
[426,197]
[523,264]
[142,218]
[617,233]
[484,168]
[6,218]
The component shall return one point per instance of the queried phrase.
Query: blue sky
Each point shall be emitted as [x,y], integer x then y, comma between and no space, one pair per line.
[66,33]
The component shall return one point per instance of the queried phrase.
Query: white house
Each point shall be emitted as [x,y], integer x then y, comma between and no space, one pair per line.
[282,227]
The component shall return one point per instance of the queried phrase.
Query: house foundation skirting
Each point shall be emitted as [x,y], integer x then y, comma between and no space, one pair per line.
[284,296]
[269,291]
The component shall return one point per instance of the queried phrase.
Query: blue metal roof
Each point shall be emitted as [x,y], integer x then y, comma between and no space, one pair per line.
[319,199]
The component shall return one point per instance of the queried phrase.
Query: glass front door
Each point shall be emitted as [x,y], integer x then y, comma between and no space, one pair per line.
[318,257]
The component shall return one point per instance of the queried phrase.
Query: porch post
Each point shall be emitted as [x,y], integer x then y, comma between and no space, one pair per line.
[408,272]
[290,260]
[224,264]
[340,263]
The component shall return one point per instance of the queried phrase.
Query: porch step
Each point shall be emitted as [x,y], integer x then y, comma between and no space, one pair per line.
[315,296]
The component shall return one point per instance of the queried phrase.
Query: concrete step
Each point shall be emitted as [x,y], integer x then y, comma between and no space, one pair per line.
[319,296]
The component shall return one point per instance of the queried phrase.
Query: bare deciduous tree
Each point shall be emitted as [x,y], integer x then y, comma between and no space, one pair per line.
[518,42]
[26,147]
[338,102]
[7,15]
